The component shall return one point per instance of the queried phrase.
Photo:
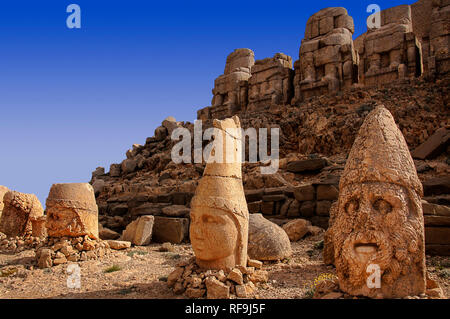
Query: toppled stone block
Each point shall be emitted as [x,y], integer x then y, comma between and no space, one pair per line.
[327,192]
[436,186]
[433,146]
[118,244]
[170,229]
[139,231]
[308,165]
[72,211]
[19,209]
[296,229]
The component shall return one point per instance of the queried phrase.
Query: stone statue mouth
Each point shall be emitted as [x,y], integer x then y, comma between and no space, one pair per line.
[365,250]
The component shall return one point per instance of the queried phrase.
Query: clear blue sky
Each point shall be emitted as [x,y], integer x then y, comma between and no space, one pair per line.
[72,100]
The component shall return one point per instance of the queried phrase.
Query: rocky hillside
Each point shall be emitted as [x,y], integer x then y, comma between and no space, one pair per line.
[315,138]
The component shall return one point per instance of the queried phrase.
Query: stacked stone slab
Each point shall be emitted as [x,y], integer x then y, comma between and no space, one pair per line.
[231,89]
[270,82]
[392,51]
[327,58]
[19,211]
[72,211]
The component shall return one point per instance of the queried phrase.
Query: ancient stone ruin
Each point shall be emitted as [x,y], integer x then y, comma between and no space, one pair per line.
[270,82]
[379,220]
[392,51]
[230,91]
[219,214]
[411,41]
[327,59]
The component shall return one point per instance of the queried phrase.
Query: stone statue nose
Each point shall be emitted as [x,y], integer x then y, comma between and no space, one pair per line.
[366,214]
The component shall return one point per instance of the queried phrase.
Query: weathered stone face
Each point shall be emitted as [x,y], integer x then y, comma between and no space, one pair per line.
[379,226]
[219,214]
[72,211]
[18,212]
[215,226]
[378,219]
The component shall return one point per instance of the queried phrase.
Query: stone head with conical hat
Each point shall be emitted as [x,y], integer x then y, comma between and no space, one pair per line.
[219,214]
[377,233]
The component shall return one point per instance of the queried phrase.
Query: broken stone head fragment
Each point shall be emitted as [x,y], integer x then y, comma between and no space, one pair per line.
[19,210]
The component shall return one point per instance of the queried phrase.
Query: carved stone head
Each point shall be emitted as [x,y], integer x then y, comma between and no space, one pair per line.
[378,222]
[219,214]
[72,211]
[18,212]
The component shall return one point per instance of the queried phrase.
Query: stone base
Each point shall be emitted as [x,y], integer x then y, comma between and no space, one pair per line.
[239,282]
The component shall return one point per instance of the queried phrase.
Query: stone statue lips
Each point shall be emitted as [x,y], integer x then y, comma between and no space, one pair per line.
[365,250]
[367,245]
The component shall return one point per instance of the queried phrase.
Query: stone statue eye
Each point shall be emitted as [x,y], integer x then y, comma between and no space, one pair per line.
[352,206]
[382,206]
[208,219]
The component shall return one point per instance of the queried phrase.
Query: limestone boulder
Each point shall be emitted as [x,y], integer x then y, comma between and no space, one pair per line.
[267,240]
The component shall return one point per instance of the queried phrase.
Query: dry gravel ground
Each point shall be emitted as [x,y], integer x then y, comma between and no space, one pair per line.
[141,273]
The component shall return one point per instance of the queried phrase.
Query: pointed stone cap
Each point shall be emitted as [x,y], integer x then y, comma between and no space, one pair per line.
[230,129]
[380,154]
